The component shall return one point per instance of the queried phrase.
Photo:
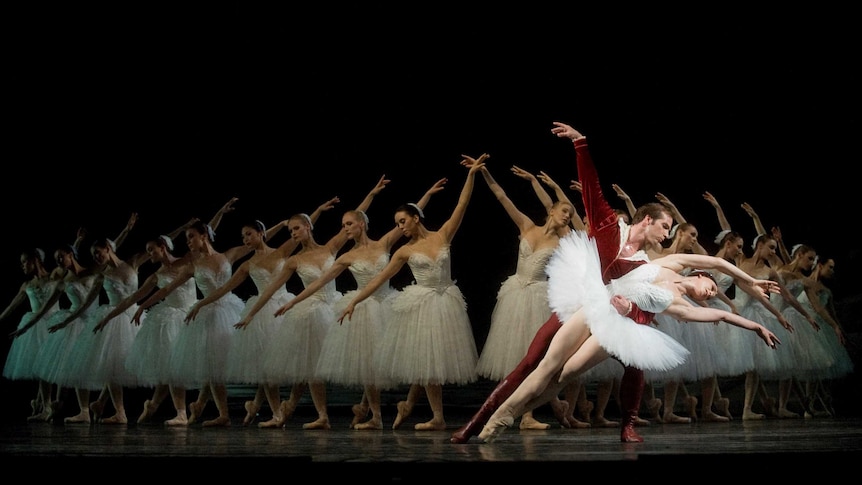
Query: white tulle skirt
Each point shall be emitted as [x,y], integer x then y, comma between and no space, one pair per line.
[430,339]
[201,349]
[575,286]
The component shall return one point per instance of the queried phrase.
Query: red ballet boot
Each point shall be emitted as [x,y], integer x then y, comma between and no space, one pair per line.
[631,388]
[474,426]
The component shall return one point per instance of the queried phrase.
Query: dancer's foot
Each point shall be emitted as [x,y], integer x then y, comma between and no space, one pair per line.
[585,410]
[82,418]
[54,409]
[43,416]
[691,406]
[251,409]
[149,410]
[221,421]
[360,411]
[495,427]
[276,422]
[320,423]
[629,435]
[749,415]
[286,410]
[404,409]
[97,408]
[373,423]
[529,422]
[433,425]
[639,421]
[722,405]
[35,407]
[603,422]
[561,412]
[711,417]
[769,407]
[195,411]
[576,423]
[654,406]
[671,418]
[179,420]
[787,414]
[115,419]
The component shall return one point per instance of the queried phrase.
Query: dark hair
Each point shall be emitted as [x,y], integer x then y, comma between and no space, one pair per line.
[412,210]
[258,226]
[204,228]
[653,209]
[730,236]
[702,272]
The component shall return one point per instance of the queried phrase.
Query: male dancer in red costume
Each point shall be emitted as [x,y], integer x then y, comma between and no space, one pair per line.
[620,250]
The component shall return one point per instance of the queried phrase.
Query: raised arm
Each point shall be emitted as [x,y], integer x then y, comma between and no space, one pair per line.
[674,212]
[541,193]
[758,225]
[576,221]
[121,237]
[519,218]
[450,227]
[395,233]
[719,212]
[340,238]
[630,206]
[228,207]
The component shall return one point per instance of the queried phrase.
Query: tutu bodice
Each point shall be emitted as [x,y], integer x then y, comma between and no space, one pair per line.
[76,292]
[183,296]
[263,276]
[119,284]
[309,272]
[364,271]
[208,280]
[638,287]
[432,273]
[531,264]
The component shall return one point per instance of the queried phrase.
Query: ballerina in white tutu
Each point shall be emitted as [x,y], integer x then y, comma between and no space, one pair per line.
[595,325]
[431,340]
[244,364]
[347,355]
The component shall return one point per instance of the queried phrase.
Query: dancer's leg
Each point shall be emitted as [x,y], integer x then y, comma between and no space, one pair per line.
[434,393]
[541,382]
[178,398]
[219,394]
[406,407]
[372,397]
[318,397]
[537,349]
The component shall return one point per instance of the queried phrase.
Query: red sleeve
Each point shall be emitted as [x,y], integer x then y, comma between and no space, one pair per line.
[603,220]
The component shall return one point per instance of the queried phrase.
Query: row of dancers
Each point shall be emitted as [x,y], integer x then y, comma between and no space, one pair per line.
[160,334]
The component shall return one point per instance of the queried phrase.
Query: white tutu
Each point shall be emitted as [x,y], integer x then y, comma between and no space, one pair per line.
[575,285]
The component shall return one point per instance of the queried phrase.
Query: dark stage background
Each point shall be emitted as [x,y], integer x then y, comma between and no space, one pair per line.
[171,114]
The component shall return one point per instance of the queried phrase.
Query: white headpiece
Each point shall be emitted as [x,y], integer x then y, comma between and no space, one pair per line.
[721,236]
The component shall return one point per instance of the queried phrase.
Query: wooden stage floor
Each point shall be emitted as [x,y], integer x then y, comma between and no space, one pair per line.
[774,447]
